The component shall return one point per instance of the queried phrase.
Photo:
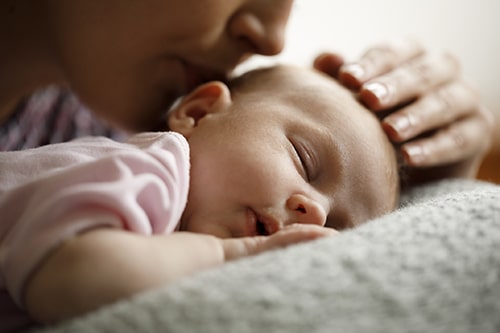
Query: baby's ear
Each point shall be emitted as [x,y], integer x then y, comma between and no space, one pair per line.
[207,99]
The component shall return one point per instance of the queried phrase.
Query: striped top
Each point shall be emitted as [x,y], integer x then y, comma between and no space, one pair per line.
[51,115]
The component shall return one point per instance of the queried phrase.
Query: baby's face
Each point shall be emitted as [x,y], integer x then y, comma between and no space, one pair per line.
[291,147]
[130,60]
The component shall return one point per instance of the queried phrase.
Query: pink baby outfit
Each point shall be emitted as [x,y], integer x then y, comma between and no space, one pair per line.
[52,193]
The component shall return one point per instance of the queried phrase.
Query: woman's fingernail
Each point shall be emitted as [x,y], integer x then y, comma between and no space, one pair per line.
[353,70]
[379,90]
[415,154]
[400,124]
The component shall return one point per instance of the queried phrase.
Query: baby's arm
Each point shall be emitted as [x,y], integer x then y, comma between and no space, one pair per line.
[104,265]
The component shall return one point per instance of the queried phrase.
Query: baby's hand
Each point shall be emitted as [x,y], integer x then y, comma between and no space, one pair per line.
[235,248]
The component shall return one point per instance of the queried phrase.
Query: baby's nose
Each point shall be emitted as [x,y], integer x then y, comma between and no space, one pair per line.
[305,210]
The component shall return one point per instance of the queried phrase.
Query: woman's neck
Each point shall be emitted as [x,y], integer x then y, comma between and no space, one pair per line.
[27,62]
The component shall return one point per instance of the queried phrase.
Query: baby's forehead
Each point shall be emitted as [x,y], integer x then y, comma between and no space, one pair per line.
[306,80]
[312,94]
[317,89]
[323,93]
[295,83]
[283,76]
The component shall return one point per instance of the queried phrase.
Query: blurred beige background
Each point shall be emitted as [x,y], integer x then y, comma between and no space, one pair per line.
[469,29]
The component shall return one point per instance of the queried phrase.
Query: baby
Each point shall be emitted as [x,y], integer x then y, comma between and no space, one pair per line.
[278,132]
[260,163]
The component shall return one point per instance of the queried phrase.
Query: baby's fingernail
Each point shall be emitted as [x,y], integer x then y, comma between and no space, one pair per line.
[380,90]
[354,70]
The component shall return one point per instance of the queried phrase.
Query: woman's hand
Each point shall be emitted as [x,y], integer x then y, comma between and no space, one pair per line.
[426,107]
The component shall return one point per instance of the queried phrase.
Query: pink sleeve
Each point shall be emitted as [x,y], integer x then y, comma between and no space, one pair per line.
[51,193]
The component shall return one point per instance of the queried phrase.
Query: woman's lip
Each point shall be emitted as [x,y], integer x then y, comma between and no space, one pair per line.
[192,78]
[196,75]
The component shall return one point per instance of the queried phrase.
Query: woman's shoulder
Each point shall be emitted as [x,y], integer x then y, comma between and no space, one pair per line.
[51,115]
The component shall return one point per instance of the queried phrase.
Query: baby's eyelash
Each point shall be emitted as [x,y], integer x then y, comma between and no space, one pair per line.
[299,153]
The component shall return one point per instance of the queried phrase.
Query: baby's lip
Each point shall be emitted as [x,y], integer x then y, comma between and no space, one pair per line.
[250,228]
[260,224]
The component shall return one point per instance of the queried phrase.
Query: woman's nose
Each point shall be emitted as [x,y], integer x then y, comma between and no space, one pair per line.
[305,210]
[262,26]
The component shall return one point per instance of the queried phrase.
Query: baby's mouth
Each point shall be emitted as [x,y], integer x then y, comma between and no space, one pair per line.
[261,225]
[260,228]
[254,227]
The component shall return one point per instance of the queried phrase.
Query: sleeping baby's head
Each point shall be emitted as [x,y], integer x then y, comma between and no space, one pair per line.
[279,146]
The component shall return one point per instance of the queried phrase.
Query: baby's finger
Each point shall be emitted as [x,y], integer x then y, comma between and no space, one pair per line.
[437,109]
[235,248]
[379,60]
[297,233]
[409,81]
[464,139]
[293,234]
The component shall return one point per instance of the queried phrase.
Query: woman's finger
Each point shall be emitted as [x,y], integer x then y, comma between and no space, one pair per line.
[460,141]
[436,109]
[329,63]
[379,60]
[409,81]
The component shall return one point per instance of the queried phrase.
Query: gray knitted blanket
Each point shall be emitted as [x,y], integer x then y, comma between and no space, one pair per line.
[431,266]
